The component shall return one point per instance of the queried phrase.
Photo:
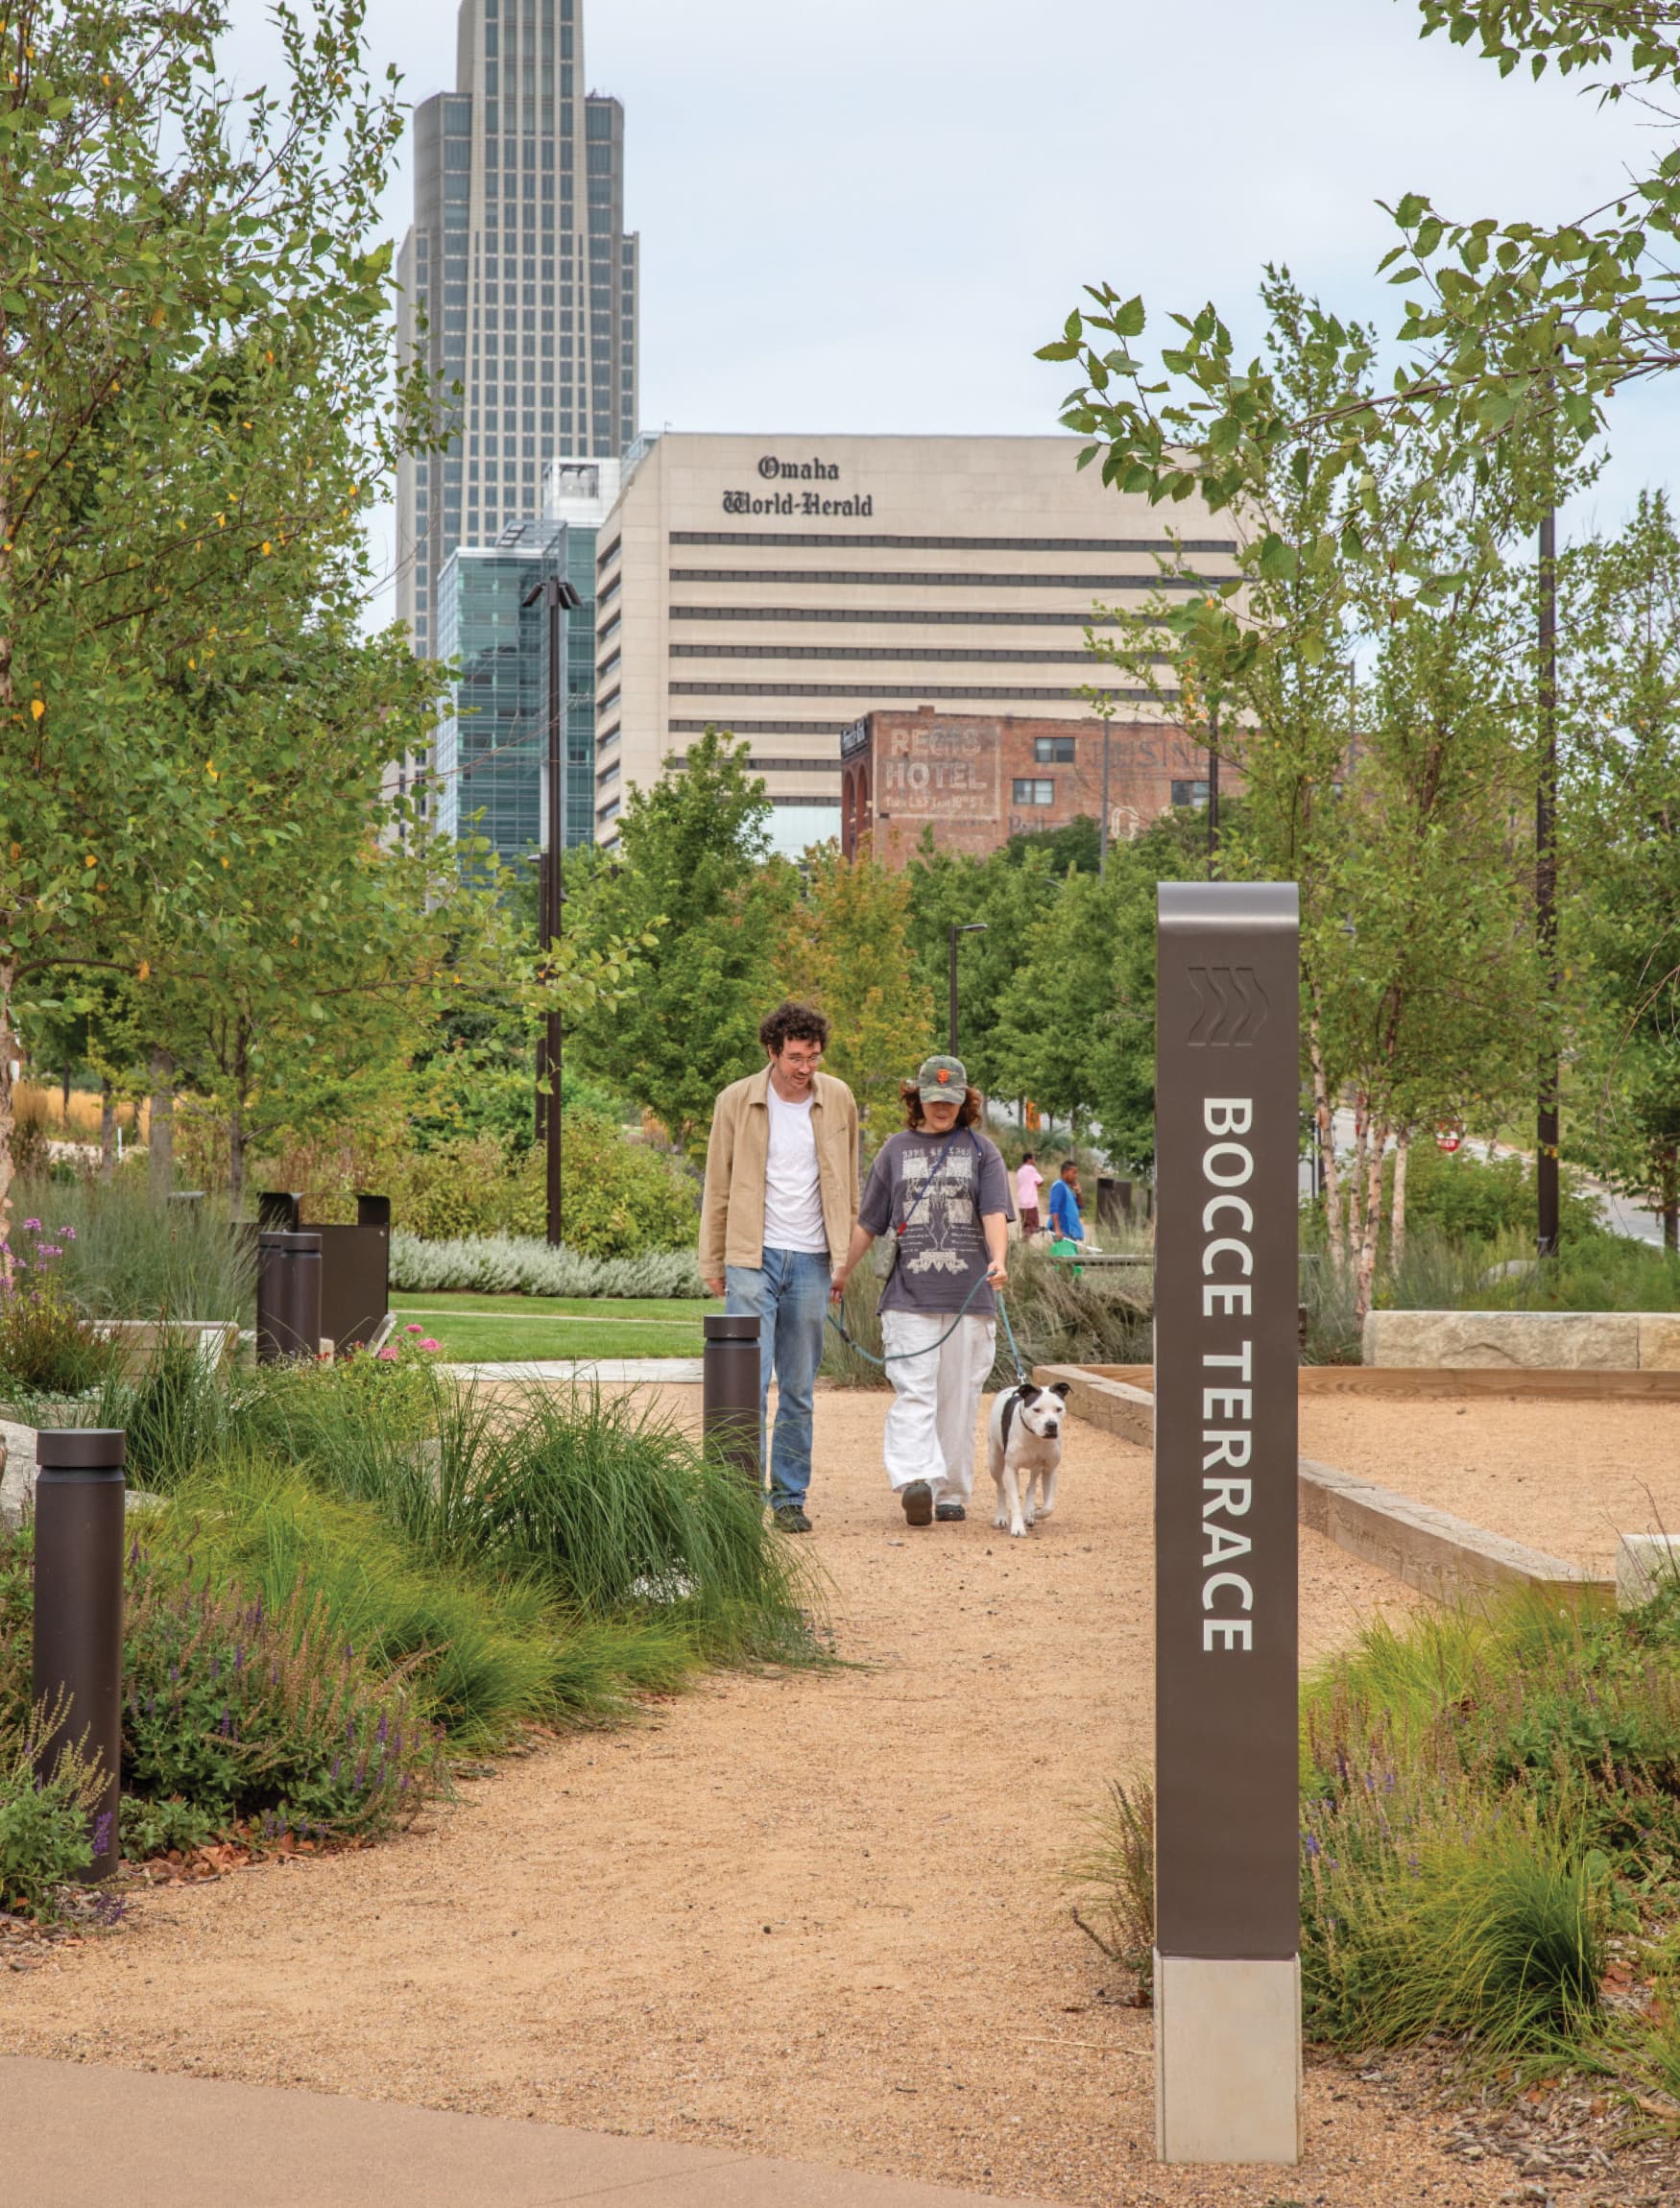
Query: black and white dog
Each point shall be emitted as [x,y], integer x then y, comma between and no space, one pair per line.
[1025,1444]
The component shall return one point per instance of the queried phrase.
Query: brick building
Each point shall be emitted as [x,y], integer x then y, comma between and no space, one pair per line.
[977,779]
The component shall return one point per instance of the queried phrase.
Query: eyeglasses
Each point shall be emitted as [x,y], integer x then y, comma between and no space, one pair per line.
[802,1061]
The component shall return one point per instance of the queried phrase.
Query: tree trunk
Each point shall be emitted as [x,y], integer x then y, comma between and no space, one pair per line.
[161,1140]
[107,1130]
[236,1141]
[1324,1122]
[1371,1224]
[1397,1209]
[1670,1185]
[7,1052]
[1347,1225]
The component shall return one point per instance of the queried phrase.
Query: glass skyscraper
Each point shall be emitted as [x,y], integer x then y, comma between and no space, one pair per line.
[519,263]
[490,757]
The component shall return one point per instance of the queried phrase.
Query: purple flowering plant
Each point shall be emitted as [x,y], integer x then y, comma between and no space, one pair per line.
[48,1344]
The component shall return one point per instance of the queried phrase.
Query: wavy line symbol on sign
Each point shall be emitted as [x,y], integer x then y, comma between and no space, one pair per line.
[1231,1006]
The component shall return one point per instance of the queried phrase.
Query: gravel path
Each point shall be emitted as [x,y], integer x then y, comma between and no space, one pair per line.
[809,1914]
[1565,1477]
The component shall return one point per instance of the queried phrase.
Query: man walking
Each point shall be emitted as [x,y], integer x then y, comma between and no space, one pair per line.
[781,1198]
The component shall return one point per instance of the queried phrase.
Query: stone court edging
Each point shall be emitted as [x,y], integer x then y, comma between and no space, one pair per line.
[1554,1341]
[1441,1555]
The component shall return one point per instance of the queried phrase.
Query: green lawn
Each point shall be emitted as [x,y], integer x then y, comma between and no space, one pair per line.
[503,1329]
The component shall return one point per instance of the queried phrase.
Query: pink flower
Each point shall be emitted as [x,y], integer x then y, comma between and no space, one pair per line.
[413,1329]
[34,1224]
[67,1234]
[388,1352]
[429,1344]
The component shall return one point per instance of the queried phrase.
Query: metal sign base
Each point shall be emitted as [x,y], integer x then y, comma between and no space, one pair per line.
[1227,2060]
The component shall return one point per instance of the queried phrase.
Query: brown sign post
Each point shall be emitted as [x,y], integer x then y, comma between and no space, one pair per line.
[1227,1825]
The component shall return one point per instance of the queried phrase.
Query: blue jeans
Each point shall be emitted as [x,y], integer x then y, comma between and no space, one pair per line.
[789,1293]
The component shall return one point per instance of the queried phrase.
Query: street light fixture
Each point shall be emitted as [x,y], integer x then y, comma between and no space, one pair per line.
[969,928]
[560,597]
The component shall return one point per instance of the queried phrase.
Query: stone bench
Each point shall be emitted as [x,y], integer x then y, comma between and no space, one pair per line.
[1555,1341]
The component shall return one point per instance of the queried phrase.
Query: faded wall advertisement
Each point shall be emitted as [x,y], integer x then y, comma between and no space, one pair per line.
[948,773]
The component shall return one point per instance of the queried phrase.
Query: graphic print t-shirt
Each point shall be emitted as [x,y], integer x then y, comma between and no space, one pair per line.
[942,1251]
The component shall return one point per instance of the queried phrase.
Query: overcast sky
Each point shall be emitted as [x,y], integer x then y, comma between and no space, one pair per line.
[866,217]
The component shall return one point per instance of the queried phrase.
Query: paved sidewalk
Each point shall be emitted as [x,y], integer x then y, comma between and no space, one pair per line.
[78,2136]
[687,1372]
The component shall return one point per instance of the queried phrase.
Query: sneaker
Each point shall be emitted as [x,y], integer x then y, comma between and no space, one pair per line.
[917,1502]
[789,1517]
[949,1513]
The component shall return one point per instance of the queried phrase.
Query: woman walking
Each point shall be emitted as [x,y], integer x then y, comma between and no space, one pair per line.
[943,1186]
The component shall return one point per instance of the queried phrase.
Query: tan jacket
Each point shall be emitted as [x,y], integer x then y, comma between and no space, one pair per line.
[731,1212]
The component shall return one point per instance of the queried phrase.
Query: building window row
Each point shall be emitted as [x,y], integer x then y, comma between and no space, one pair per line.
[750,728]
[1148,546]
[760,765]
[917,692]
[897,577]
[949,616]
[962,654]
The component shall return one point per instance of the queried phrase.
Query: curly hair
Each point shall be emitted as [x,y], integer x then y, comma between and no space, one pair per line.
[792,1022]
[914,1119]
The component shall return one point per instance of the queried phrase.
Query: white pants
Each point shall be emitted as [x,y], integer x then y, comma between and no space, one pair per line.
[936,1399]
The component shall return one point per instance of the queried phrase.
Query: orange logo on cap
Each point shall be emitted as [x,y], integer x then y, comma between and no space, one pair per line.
[943,1074]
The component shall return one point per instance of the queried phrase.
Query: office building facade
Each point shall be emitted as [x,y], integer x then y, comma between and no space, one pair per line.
[784,587]
[518,283]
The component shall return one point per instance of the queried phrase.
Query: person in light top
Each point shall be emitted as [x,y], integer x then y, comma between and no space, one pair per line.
[1028,1181]
[779,1199]
[943,1187]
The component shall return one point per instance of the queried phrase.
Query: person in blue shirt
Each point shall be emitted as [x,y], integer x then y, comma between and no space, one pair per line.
[1065,1219]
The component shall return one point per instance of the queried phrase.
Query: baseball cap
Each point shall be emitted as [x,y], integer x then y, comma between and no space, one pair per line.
[942,1079]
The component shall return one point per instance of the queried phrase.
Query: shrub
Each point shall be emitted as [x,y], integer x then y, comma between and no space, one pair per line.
[481,1657]
[1485,1797]
[620,1199]
[1468,1198]
[47,1343]
[1114,1878]
[158,1828]
[1443,1912]
[610,1508]
[507,1265]
[251,1711]
[45,1839]
[125,1257]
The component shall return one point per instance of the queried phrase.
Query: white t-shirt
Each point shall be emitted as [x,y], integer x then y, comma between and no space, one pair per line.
[793,1194]
[1027,1179]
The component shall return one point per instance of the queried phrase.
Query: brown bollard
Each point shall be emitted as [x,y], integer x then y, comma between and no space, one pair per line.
[730,1417]
[288,1296]
[78,1613]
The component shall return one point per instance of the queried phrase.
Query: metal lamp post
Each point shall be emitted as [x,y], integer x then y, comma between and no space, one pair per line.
[969,928]
[1545,1177]
[560,597]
